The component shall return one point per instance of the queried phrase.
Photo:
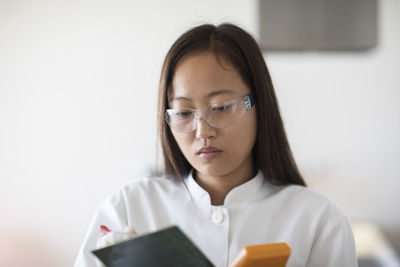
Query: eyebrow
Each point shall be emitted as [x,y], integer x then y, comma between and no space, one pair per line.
[210,95]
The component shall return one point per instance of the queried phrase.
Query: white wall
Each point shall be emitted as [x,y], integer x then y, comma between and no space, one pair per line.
[78,84]
[342,115]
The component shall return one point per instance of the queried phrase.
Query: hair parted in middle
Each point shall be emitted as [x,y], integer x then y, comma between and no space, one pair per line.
[271,152]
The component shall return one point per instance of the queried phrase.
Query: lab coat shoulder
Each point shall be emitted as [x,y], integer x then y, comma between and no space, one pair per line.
[137,194]
[306,200]
[116,211]
[111,213]
[144,186]
[332,237]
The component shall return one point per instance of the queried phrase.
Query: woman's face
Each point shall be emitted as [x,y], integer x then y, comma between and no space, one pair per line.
[200,80]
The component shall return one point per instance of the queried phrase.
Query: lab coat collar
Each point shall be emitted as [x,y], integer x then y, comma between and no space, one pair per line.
[238,197]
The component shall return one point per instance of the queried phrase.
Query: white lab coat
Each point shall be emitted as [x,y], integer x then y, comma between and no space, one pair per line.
[255,212]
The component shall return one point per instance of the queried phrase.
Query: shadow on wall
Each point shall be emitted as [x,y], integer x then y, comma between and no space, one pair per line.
[23,249]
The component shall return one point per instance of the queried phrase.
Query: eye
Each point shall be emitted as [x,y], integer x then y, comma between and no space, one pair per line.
[222,108]
[183,114]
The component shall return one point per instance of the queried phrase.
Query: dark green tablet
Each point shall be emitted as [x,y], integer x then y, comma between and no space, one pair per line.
[167,247]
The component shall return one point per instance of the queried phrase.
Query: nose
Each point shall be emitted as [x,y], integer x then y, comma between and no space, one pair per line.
[204,130]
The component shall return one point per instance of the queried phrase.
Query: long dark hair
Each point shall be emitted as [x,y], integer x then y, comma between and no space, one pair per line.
[271,151]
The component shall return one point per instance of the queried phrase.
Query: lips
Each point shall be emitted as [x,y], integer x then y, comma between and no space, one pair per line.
[208,152]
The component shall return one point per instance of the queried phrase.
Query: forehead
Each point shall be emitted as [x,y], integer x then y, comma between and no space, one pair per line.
[202,76]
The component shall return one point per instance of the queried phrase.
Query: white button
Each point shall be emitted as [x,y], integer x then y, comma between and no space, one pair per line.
[217,217]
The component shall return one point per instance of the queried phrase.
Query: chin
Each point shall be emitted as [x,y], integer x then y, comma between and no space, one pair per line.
[213,169]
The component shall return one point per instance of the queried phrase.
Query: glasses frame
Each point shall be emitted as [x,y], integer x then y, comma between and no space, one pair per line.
[247,101]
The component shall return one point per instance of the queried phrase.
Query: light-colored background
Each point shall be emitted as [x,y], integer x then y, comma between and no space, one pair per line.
[78,84]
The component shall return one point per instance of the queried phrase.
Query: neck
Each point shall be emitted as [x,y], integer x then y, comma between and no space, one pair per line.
[219,186]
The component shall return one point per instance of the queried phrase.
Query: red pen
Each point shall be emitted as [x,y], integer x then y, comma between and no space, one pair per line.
[104,229]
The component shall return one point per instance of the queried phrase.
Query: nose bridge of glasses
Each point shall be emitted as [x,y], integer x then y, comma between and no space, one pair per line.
[202,114]
[203,128]
[197,121]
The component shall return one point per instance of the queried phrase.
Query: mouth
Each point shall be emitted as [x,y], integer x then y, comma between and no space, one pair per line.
[208,152]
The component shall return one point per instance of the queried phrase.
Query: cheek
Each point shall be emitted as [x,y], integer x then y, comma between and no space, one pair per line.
[243,135]
[239,144]
[243,140]
[184,141]
[252,124]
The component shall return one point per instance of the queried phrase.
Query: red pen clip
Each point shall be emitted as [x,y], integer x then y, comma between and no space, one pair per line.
[104,229]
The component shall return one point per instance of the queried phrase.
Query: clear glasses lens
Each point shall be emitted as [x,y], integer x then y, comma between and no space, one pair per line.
[219,115]
[181,119]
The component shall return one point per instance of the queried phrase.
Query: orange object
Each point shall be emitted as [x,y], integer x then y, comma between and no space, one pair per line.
[271,255]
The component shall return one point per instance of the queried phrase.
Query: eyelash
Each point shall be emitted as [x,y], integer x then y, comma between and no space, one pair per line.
[183,114]
[222,108]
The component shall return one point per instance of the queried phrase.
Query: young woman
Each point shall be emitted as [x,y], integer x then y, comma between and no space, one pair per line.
[230,177]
